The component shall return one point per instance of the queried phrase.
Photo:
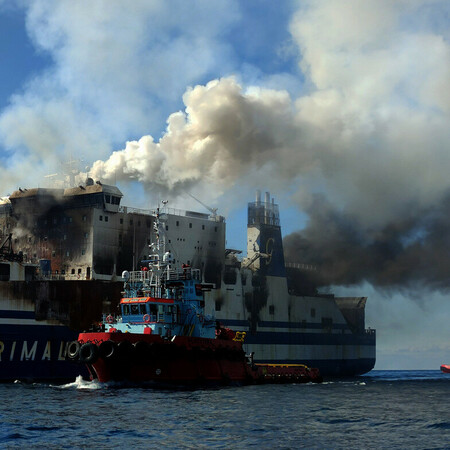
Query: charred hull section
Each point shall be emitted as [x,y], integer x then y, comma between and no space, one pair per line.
[180,361]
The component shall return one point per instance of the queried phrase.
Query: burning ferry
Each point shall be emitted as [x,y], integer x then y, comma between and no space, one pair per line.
[72,245]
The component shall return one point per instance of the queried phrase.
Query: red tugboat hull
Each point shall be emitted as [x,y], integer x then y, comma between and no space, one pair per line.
[445,368]
[183,360]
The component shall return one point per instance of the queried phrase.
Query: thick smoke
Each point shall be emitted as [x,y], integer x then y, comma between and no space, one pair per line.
[384,107]
[407,252]
[363,149]
[365,152]
[223,135]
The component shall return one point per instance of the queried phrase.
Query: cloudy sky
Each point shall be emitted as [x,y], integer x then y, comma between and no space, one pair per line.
[340,108]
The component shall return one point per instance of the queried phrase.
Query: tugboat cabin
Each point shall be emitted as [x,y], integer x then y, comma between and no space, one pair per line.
[164,304]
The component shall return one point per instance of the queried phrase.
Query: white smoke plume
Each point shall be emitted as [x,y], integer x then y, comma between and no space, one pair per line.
[223,134]
[363,147]
[367,148]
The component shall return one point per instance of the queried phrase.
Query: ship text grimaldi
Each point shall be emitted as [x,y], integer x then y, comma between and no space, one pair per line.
[32,351]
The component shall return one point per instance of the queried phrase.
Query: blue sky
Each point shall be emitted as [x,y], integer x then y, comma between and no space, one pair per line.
[19,57]
[339,107]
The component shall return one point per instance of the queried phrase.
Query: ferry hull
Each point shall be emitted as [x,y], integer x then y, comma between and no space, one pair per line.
[39,318]
[334,354]
[252,294]
[25,341]
[37,353]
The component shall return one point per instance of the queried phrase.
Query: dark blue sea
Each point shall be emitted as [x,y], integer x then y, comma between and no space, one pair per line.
[383,410]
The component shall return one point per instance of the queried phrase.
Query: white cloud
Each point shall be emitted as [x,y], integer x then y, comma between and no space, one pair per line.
[118,70]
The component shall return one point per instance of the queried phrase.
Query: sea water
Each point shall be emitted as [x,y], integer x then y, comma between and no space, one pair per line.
[384,409]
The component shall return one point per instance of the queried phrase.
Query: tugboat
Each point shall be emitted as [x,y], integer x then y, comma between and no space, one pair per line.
[164,335]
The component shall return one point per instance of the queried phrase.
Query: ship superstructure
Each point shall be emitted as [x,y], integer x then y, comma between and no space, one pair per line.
[321,331]
[84,233]
[82,239]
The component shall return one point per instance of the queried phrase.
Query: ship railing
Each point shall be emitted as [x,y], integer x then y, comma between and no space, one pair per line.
[185,273]
[142,276]
[172,212]
[149,279]
[300,266]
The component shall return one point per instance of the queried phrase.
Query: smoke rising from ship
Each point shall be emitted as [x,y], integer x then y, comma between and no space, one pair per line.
[366,152]
[362,146]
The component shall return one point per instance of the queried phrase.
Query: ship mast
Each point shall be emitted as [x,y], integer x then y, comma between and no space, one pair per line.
[160,259]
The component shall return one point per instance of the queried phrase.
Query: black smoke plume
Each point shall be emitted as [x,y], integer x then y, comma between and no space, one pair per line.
[408,252]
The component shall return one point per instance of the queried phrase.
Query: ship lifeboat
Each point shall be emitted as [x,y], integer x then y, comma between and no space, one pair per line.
[445,368]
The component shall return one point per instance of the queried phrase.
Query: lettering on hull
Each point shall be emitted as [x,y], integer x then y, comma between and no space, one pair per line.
[33,351]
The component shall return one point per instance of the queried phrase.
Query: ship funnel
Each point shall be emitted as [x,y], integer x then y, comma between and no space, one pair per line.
[264,241]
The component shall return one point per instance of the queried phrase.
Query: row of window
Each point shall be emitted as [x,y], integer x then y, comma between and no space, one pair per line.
[138,223]
[73,271]
[177,223]
[64,219]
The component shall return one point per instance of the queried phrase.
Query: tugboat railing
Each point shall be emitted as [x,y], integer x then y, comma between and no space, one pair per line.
[147,277]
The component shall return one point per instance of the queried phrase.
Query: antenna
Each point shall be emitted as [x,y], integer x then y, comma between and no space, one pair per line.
[213,211]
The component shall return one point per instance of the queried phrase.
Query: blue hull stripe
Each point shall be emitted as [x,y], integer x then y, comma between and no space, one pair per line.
[300,338]
[6,314]
[37,366]
[274,324]
[310,325]
[292,338]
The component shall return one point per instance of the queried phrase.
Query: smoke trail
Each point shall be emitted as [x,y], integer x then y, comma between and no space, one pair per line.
[408,252]
[366,152]
[364,149]
[223,135]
